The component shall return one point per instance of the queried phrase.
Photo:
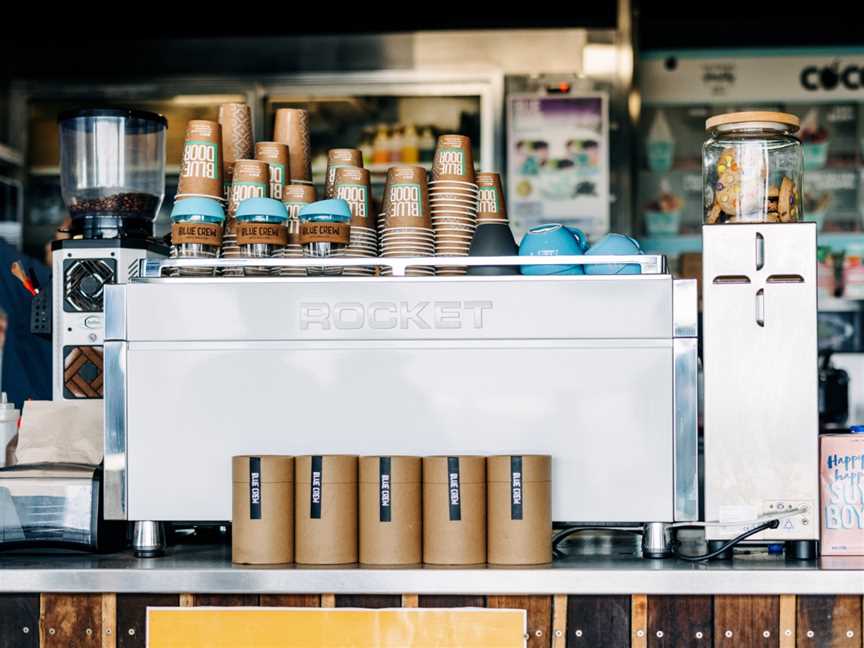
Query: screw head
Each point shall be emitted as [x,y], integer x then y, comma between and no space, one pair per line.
[25,630]
[578,633]
[131,632]
[728,634]
[699,635]
[558,633]
[538,633]
[766,633]
[787,632]
[810,634]
[52,631]
[659,634]
[640,633]
[850,633]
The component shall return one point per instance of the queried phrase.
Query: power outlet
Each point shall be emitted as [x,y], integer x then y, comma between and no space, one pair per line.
[40,314]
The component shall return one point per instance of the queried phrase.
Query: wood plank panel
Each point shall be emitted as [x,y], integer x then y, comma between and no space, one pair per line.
[290,600]
[447,601]
[374,601]
[71,620]
[746,621]
[787,620]
[598,621]
[539,610]
[639,621]
[19,620]
[132,616]
[109,620]
[410,601]
[559,621]
[829,622]
[679,621]
[226,600]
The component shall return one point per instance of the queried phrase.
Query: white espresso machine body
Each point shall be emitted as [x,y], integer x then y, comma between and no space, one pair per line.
[599,372]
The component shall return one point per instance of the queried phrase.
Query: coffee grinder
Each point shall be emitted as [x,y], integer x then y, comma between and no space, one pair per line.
[112,175]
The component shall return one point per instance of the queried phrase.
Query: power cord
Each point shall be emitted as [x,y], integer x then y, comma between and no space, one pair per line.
[770,524]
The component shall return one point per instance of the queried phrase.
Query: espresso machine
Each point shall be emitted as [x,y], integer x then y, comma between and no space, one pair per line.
[112,174]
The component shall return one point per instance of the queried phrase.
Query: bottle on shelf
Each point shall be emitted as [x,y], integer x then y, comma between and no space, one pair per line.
[426,144]
[381,146]
[410,145]
[396,144]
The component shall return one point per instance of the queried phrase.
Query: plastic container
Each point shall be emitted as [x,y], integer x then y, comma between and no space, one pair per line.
[8,429]
[390,510]
[261,231]
[752,169]
[519,506]
[112,170]
[454,510]
[262,510]
[196,233]
[325,509]
[325,229]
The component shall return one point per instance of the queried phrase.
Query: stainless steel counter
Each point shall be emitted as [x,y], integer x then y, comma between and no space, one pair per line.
[208,568]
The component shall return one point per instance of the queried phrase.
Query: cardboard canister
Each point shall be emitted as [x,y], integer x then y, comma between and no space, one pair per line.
[390,510]
[519,509]
[325,509]
[262,511]
[454,510]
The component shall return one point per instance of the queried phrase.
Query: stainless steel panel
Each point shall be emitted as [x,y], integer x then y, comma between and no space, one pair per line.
[602,409]
[685,305]
[115,313]
[209,569]
[334,309]
[686,429]
[761,416]
[115,432]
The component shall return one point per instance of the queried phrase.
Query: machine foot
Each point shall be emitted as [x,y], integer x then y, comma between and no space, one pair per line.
[714,545]
[802,550]
[656,540]
[148,539]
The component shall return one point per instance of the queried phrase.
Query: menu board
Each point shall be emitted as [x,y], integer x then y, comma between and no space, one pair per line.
[558,161]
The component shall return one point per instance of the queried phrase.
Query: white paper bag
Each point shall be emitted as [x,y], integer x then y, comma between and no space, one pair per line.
[61,432]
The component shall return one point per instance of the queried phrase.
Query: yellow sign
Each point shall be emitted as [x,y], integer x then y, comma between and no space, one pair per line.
[213,627]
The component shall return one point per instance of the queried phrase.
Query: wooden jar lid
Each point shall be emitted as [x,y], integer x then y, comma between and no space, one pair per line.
[753,116]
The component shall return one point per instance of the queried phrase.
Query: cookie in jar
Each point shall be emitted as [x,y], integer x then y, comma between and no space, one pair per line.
[752,168]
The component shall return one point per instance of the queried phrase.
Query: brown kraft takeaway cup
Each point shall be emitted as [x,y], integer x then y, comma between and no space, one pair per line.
[406,197]
[237,139]
[454,510]
[336,159]
[491,205]
[519,506]
[390,510]
[292,129]
[325,509]
[454,159]
[201,167]
[276,156]
[251,180]
[353,184]
[262,512]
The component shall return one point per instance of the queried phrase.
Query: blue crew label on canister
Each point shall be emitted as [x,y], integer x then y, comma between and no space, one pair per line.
[255,488]
[454,488]
[384,490]
[317,486]
[516,488]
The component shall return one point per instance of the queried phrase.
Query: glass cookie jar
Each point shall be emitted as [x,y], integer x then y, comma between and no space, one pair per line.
[752,168]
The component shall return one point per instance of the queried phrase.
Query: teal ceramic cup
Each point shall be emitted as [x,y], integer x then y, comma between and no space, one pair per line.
[614,245]
[550,240]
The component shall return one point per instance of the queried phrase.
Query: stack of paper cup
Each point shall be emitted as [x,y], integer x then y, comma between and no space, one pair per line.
[251,180]
[352,184]
[336,159]
[491,207]
[453,196]
[237,142]
[295,197]
[406,228]
[292,130]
